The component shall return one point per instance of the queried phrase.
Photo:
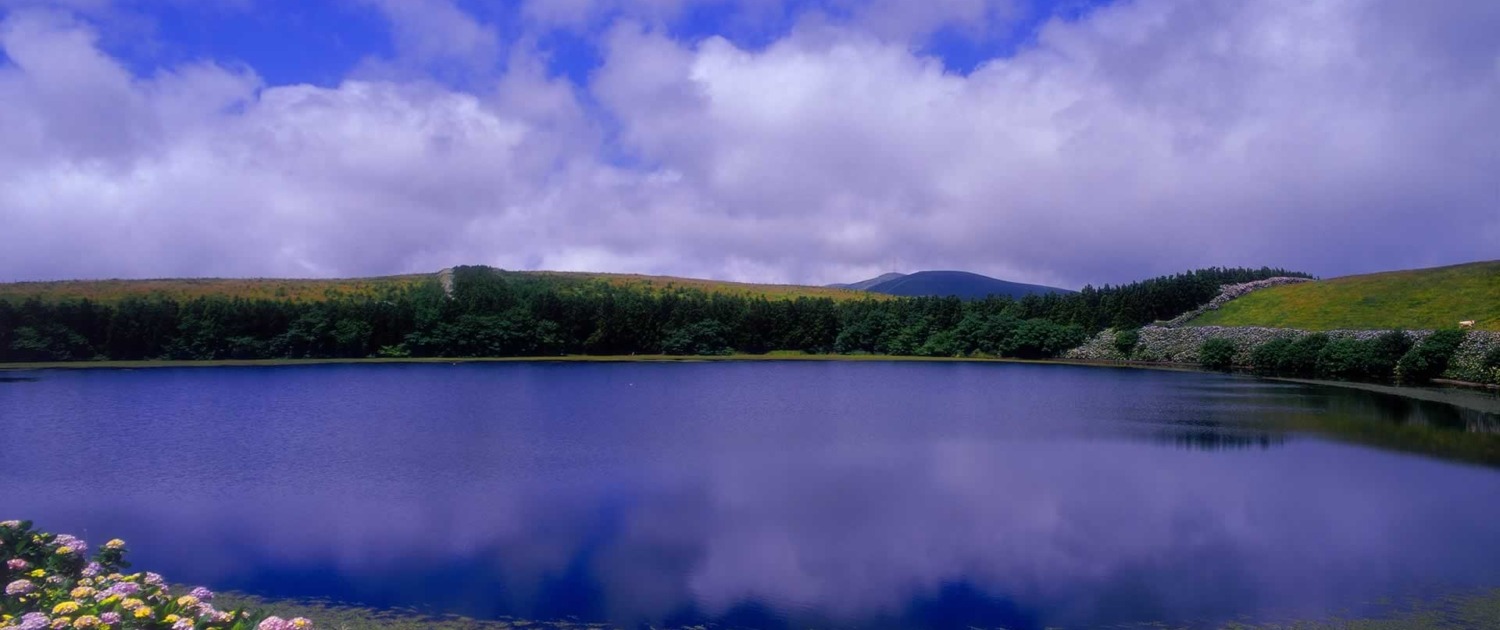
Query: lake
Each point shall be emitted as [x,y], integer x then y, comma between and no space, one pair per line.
[765,494]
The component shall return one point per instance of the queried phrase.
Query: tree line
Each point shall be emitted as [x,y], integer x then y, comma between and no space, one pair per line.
[494,313]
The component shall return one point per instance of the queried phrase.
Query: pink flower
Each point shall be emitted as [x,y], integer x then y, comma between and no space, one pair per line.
[17,564]
[274,623]
[33,621]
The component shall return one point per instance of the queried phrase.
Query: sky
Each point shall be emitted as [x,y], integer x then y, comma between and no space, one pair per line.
[1062,142]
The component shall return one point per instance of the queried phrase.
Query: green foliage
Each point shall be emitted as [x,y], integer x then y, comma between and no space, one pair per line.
[1427,299]
[1266,359]
[1428,359]
[495,313]
[1217,354]
[1490,365]
[1344,359]
[1289,357]
[698,338]
[1126,340]
[1039,339]
[1370,360]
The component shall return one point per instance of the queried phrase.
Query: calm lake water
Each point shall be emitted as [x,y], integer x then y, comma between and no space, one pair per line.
[764,494]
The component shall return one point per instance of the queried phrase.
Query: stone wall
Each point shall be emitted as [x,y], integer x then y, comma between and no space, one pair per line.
[1161,344]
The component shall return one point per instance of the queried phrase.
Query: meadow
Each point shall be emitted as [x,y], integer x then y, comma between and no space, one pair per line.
[1417,299]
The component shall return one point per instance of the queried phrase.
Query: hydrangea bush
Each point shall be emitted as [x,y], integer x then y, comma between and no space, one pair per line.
[50,582]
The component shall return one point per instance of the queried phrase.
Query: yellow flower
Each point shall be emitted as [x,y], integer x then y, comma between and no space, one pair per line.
[110,600]
[132,604]
[170,619]
[37,573]
[142,612]
[65,608]
[187,600]
[115,544]
[86,621]
[63,551]
[302,622]
[132,577]
[81,592]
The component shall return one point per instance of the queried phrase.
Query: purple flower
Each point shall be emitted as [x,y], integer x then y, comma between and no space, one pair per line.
[92,570]
[155,579]
[17,564]
[33,621]
[71,542]
[183,624]
[19,587]
[110,618]
[124,589]
[274,623]
[203,594]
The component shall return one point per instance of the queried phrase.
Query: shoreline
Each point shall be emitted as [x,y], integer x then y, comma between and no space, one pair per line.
[1474,396]
[570,358]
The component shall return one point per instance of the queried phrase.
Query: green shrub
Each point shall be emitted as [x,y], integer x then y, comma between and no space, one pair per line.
[1385,351]
[1428,359]
[1040,339]
[1492,359]
[1344,359]
[704,338]
[1302,358]
[1267,358]
[1126,340]
[1217,354]
[1371,360]
[1491,365]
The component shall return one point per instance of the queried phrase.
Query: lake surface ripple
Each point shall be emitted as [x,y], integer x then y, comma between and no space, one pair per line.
[765,494]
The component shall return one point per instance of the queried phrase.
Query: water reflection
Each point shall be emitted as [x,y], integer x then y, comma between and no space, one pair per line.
[749,495]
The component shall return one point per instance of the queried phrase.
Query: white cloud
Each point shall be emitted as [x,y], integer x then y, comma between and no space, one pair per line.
[1148,137]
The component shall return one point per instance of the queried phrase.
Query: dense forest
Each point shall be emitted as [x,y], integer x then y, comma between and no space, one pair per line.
[493,313]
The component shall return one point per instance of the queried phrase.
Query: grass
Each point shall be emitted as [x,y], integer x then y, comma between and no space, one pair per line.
[316,290]
[743,289]
[1418,299]
[1466,611]
[292,290]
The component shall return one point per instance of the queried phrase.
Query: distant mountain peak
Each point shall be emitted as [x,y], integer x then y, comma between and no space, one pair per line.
[864,285]
[963,284]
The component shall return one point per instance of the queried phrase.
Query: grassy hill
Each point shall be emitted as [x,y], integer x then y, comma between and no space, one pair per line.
[317,290]
[666,283]
[1415,299]
[295,290]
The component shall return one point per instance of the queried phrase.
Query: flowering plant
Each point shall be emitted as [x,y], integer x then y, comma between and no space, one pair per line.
[50,582]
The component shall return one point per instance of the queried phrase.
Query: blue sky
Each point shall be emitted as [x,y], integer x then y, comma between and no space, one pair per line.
[295,41]
[1060,142]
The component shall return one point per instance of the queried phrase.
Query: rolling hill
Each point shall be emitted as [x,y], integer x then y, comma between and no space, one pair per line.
[1422,299]
[318,290]
[969,286]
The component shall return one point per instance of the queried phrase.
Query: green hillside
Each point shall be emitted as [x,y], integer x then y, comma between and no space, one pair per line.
[1423,299]
[319,290]
[741,289]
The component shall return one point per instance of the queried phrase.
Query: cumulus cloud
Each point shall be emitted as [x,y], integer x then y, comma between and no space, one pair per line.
[1142,138]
